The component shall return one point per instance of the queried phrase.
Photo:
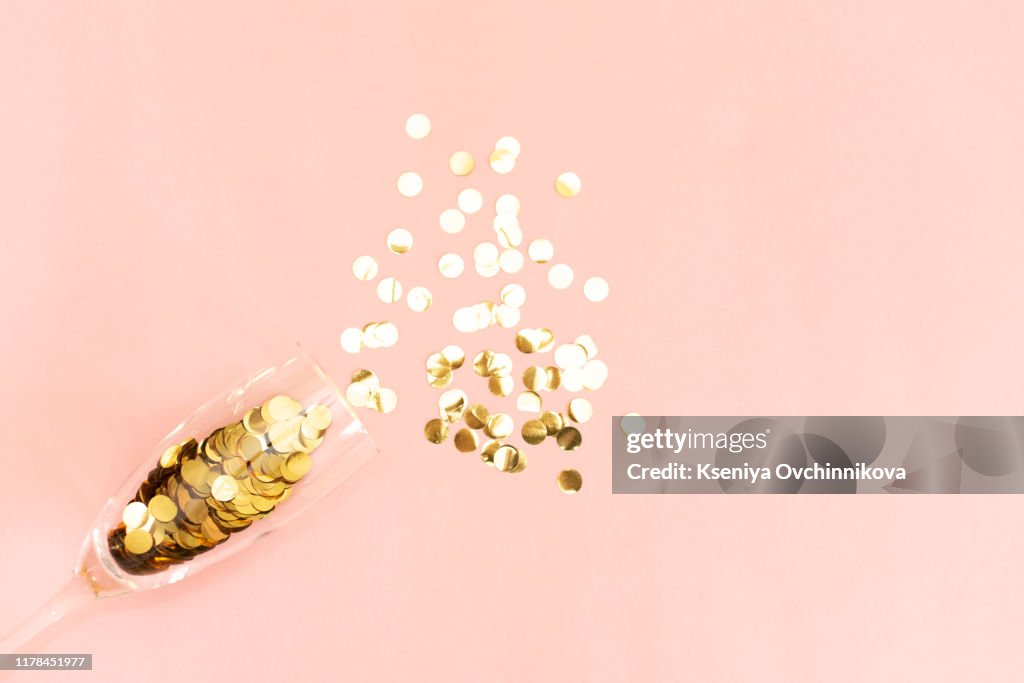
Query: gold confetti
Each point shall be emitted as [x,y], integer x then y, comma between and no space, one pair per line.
[513,295]
[595,289]
[135,515]
[163,508]
[488,451]
[511,261]
[417,126]
[454,355]
[569,438]
[470,200]
[452,221]
[419,299]
[535,378]
[552,421]
[399,241]
[508,144]
[588,345]
[453,405]
[224,488]
[541,251]
[461,163]
[364,268]
[466,440]
[450,265]
[138,542]
[507,316]
[568,185]
[593,375]
[554,378]
[528,402]
[436,430]
[580,410]
[534,432]
[410,184]
[389,290]
[507,230]
[508,459]
[570,356]
[569,481]
[499,426]
[501,386]
[560,276]
[352,340]
[386,400]
[507,203]
[502,161]
[476,416]
[439,371]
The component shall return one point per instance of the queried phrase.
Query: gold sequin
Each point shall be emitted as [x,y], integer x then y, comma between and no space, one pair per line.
[466,440]
[534,432]
[569,481]
[568,185]
[419,299]
[500,386]
[364,268]
[499,426]
[552,421]
[476,416]
[580,410]
[508,459]
[461,163]
[436,430]
[399,241]
[454,355]
[389,290]
[453,405]
[528,402]
[569,438]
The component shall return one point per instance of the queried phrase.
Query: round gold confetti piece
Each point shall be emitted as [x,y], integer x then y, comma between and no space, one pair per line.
[507,203]
[588,345]
[476,416]
[279,408]
[453,405]
[541,251]
[487,269]
[535,378]
[470,200]
[570,356]
[569,438]
[508,144]
[568,185]
[417,126]
[552,421]
[399,241]
[138,542]
[439,381]
[488,451]
[436,430]
[485,252]
[572,379]
[163,508]
[297,466]
[499,426]
[169,458]
[513,295]
[482,363]
[569,481]
[534,432]
[500,365]
[560,276]
[358,394]
[502,161]
[419,299]
[368,338]
[135,515]
[352,340]
[501,386]
[387,400]
[594,374]
[438,365]
[364,268]
[466,440]
[454,355]
[367,377]
[450,265]
[461,163]
[632,423]
[511,261]
[554,378]
[452,221]
[506,316]
[595,289]
[528,340]
[528,402]
[410,184]
[389,290]
[386,334]
[224,488]
[506,458]
[580,410]
[464,320]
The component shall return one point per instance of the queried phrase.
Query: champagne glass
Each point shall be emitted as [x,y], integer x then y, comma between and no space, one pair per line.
[247,462]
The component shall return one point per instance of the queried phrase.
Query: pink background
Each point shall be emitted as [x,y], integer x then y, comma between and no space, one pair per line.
[802,207]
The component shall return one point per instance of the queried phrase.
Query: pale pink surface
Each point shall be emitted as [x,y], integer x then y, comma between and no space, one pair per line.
[801,208]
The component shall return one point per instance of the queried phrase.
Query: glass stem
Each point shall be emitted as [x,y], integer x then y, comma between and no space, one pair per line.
[75,593]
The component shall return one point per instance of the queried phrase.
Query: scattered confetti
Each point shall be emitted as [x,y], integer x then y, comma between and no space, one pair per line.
[461,163]
[364,268]
[568,185]
[399,241]
[595,289]
[417,126]
[410,184]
